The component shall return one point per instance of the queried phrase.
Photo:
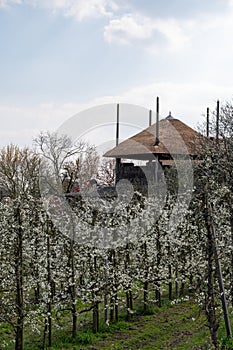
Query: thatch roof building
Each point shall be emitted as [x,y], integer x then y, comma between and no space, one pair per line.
[174,138]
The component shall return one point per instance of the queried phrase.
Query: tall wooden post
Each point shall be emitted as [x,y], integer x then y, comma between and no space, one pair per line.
[208,122]
[150,122]
[118,160]
[217,122]
[117,125]
[157,139]
[212,237]
[157,122]
[220,278]
[150,117]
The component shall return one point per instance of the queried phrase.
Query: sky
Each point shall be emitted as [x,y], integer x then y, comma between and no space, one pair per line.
[59,58]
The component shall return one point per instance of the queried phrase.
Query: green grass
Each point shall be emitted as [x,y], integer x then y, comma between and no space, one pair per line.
[6,336]
[180,326]
[177,327]
[224,341]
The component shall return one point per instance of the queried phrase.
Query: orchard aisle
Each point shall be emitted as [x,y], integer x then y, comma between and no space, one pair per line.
[181,326]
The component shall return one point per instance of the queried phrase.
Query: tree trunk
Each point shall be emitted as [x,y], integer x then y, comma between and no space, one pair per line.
[158,283]
[131,302]
[106,306]
[19,284]
[49,280]
[181,294]
[111,314]
[95,302]
[74,320]
[231,213]
[128,306]
[95,316]
[50,324]
[72,289]
[170,282]
[44,335]
[116,308]
[146,283]
[115,286]
[158,295]
[210,302]
[145,297]
[129,298]
[176,283]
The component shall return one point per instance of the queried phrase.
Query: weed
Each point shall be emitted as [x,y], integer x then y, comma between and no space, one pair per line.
[226,343]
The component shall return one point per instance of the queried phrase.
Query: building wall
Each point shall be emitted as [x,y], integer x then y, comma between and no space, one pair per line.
[139,176]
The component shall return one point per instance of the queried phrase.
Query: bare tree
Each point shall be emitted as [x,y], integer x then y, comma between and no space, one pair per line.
[83,168]
[66,162]
[106,172]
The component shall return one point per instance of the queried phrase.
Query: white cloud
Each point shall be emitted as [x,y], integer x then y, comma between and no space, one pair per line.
[8,3]
[20,124]
[177,33]
[187,102]
[129,27]
[80,9]
[85,9]
[166,33]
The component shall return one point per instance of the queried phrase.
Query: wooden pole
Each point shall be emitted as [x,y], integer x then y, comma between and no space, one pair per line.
[118,160]
[117,125]
[218,265]
[217,122]
[220,281]
[157,122]
[150,117]
[157,139]
[150,122]
[208,122]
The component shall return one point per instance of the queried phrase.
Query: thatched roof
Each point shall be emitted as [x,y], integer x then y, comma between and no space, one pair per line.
[175,138]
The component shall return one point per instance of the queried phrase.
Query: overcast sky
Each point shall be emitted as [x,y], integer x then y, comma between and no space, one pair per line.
[59,57]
